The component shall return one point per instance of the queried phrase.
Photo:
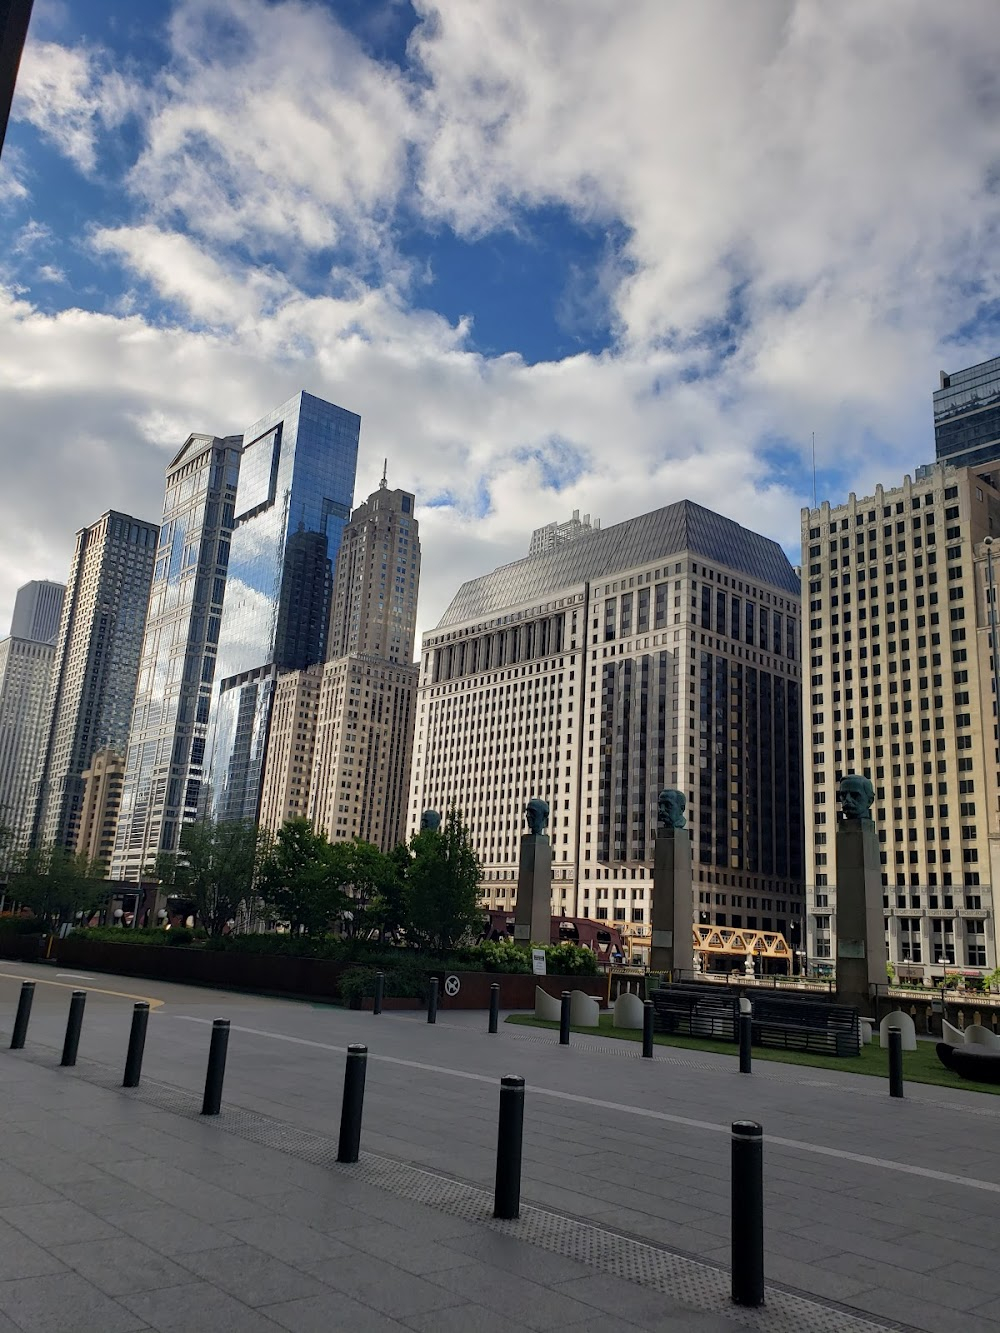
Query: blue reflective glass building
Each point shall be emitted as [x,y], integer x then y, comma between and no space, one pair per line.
[967,416]
[294,496]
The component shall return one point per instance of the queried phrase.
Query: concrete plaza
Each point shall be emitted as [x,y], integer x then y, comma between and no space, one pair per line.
[125,1210]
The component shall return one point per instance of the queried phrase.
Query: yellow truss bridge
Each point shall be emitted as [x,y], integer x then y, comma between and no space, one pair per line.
[722,939]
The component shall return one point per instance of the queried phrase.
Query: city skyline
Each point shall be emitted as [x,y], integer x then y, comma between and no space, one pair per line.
[559,315]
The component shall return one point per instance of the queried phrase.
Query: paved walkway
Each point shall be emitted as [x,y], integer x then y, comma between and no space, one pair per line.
[122,1210]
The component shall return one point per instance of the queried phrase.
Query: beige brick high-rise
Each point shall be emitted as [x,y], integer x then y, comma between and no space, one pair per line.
[663,651]
[900,588]
[354,716]
[102,799]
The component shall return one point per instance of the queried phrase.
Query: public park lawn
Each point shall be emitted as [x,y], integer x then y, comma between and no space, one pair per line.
[919,1066]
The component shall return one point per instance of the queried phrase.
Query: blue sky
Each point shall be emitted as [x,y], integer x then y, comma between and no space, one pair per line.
[558,257]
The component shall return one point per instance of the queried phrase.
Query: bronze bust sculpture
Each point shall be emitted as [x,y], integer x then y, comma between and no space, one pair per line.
[536,812]
[670,808]
[856,796]
[430,819]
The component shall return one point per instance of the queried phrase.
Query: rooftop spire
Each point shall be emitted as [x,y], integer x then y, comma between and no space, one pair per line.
[385,467]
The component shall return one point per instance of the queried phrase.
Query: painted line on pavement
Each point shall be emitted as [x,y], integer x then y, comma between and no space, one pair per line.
[797,1145]
[75,976]
[94,990]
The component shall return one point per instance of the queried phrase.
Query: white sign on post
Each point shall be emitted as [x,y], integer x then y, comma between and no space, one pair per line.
[538,962]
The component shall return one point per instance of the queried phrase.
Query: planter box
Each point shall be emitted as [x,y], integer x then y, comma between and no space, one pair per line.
[313,977]
[22,948]
[517,991]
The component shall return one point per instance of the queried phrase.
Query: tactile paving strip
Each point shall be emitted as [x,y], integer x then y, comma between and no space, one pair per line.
[690,1281]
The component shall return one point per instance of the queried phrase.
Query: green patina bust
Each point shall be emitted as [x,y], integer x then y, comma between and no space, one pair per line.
[670,808]
[430,819]
[856,796]
[536,812]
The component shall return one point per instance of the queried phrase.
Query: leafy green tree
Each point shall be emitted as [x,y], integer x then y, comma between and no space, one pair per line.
[442,884]
[388,908]
[367,872]
[302,877]
[215,868]
[56,883]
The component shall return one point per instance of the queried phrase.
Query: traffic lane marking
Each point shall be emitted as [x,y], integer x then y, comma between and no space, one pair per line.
[94,990]
[797,1145]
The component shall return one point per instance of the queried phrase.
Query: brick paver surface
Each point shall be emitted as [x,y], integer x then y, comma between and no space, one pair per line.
[117,1214]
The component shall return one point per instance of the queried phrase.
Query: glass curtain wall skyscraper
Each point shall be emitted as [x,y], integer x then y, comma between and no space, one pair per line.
[96,664]
[294,496]
[967,416]
[166,746]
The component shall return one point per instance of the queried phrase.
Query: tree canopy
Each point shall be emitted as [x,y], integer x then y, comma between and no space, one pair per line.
[55,883]
[442,884]
[215,868]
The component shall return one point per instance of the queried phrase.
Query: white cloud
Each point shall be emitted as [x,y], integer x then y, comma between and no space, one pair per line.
[273,128]
[807,185]
[70,95]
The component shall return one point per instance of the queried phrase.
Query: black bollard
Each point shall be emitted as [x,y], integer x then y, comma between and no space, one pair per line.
[136,1045]
[432,1001]
[353,1105]
[212,1101]
[73,1025]
[748,1213]
[507,1196]
[746,1038]
[648,1014]
[564,1019]
[379,992]
[23,1014]
[494,1006]
[895,1062]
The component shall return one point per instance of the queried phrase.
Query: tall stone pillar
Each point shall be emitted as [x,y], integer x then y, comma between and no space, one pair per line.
[861,957]
[672,948]
[533,908]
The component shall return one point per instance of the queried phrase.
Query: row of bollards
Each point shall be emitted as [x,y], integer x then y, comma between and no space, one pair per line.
[747,1191]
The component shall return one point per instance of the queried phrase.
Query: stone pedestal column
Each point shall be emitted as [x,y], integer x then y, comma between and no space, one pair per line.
[861,954]
[672,948]
[533,908]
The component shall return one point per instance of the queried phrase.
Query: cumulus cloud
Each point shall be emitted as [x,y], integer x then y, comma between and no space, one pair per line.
[802,199]
[273,128]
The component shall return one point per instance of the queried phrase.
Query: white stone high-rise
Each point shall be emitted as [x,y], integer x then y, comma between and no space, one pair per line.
[348,728]
[663,651]
[903,668]
[26,658]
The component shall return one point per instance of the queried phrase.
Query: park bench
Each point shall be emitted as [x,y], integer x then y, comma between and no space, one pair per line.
[803,1025]
[695,1013]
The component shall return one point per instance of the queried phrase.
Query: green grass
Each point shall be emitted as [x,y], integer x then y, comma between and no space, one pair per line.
[919,1066]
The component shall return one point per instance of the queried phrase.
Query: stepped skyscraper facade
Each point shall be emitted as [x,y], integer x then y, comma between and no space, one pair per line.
[663,651]
[341,742]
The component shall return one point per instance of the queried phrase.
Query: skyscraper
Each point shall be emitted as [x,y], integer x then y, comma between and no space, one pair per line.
[25,678]
[294,496]
[166,744]
[902,589]
[14,18]
[967,416]
[663,651]
[102,796]
[37,608]
[346,735]
[96,664]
